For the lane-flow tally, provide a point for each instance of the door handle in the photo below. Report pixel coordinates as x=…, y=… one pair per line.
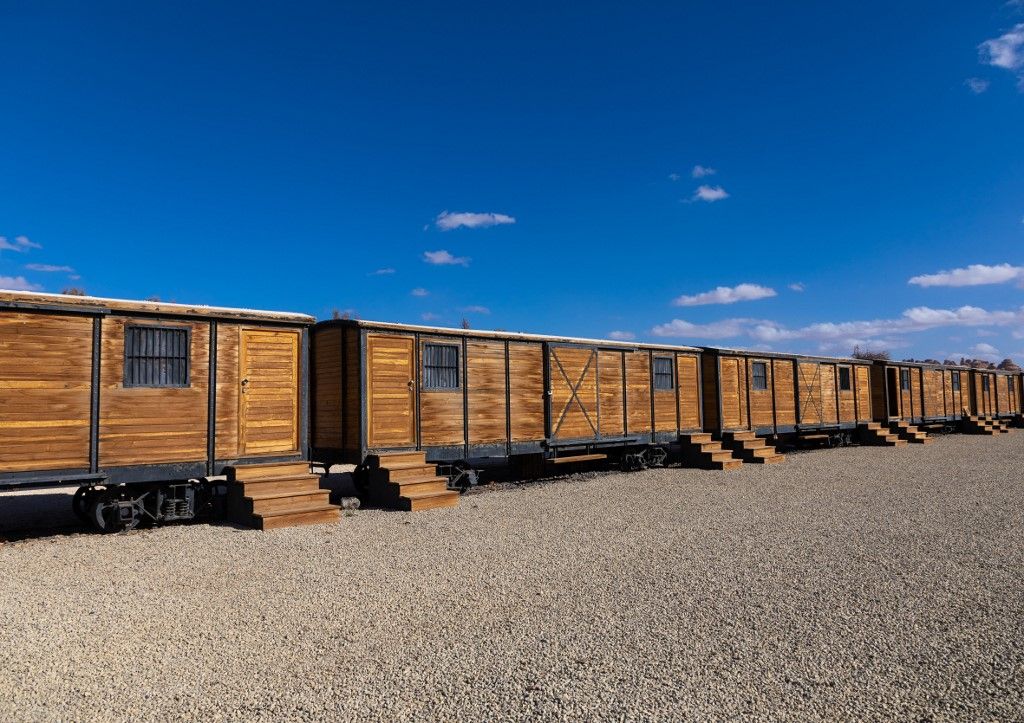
x=245, y=385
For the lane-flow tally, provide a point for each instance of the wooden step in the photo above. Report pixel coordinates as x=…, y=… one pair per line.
x=294, y=484
x=432, y=484
x=387, y=459
x=872, y=425
x=730, y=436
x=283, y=503
x=578, y=458
x=723, y=455
x=723, y=464
x=697, y=438
x=429, y=501
x=408, y=472
x=252, y=472
x=767, y=459
x=748, y=444
x=311, y=515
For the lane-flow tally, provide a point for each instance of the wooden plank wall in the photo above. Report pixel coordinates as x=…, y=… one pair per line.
x=441, y=410
x=389, y=397
x=847, y=403
x=526, y=391
x=613, y=393
x=785, y=392
x=573, y=418
x=45, y=380
x=761, y=408
x=710, y=385
x=809, y=385
x=865, y=392
x=326, y=388
x=485, y=367
x=665, y=406
x=638, y=392
x=228, y=383
x=688, y=379
x=351, y=412
x=150, y=426
x=879, y=400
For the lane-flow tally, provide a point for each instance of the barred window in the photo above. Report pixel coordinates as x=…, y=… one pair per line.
x=984, y=383
x=955, y=379
x=845, y=384
x=663, y=376
x=759, y=376
x=440, y=366
x=905, y=380
x=156, y=356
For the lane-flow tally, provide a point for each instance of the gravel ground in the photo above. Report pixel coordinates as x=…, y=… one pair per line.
x=844, y=584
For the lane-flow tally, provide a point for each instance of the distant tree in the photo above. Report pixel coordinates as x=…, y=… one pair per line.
x=465, y=323
x=870, y=355
x=977, y=363
x=338, y=314
x=74, y=291
x=154, y=297
x=1009, y=365
x=950, y=363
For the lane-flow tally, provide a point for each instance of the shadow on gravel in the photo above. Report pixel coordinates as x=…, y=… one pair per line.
x=38, y=513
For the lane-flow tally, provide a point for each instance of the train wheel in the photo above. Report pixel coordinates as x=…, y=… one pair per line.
x=108, y=513
x=80, y=503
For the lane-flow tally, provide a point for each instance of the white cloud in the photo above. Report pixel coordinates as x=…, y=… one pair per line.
x=797, y=286
x=726, y=295
x=1007, y=52
x=443, y=258
x=674, y=176
x=844, y=335
x=710, y=194
x=715, y=330
x=17, y=283
x=447, y=221
x=977, y=85
x=20, y=244
x=382, y=272
x=50, y=268
x=973, y=275
x=621, y=335
x=420, y=291
x=703, y=171
x=429, y=316
x=985, y=351
x=476, y=309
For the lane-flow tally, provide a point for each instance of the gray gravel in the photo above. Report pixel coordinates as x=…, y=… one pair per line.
x=846, y=584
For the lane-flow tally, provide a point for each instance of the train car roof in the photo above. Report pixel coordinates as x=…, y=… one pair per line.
x=785, y=355
x=504, y=335
x=930, y=365
x=95, y=304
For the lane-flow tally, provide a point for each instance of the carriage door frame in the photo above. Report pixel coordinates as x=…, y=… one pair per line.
x=245, y=417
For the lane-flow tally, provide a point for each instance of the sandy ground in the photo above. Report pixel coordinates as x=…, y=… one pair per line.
x=861, y=583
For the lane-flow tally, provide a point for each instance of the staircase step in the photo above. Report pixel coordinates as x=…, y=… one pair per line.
x=723, y=455
x=310, y=515
x=407, y=472
x=429, y=501
x=431, y=484
x=295, y=484
x=698, y=438
x=387, y=459
x=723, y=464
x=748, y=444
x=730, y=436
x=775, y=458
x=264, y=470
x=284, y=503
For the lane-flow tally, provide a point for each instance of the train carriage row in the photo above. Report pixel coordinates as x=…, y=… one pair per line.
x=106, y=394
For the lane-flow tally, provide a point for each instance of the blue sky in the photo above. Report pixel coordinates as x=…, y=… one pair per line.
x=624, y=168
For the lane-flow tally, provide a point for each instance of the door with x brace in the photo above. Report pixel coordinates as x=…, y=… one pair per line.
x=572, y=371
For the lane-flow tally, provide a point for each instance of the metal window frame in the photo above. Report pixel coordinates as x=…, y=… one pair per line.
x=753, y=376
x=839, y=378
x=655, y=373
x=159, y=327
x=459, y=359
x=954, y=380
x=904, y=374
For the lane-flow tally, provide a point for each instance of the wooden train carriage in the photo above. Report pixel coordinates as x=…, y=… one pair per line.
x=102, y=390
x=995, y=392
x=460, y=394
x=920, y=393
x=781, y=394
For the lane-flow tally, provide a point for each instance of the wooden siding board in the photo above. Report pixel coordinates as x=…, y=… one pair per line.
x=486, y=391
x=638, y=392
x=326, y=392
x=688, y=378
x=613, y=393
x=526, y=391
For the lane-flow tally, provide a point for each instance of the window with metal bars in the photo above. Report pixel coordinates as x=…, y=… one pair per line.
x=663, y=376
x=440, y=366
x=759, y=376
x=984, y=384
x=955, y=380
x=845, y=383
x=156, y=356
x=905, y=380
